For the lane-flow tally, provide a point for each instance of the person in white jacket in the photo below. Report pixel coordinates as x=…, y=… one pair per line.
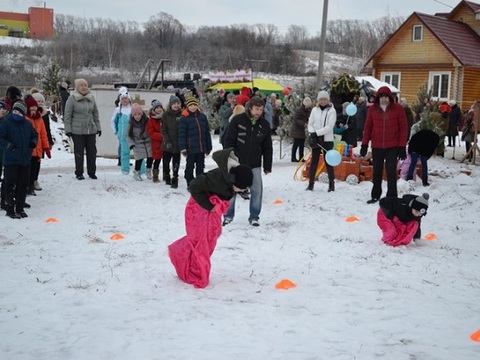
x=320, y=128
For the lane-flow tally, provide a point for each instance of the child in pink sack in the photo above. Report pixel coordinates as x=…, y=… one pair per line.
x=211, y=193
x=399, y=218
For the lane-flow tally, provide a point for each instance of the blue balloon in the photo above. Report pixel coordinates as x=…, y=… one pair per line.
x=351, y=109
x=333, y=157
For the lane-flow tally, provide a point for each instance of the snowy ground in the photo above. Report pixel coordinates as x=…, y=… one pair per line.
x=69, y=292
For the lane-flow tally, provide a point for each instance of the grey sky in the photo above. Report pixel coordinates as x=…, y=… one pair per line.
x=220, y=12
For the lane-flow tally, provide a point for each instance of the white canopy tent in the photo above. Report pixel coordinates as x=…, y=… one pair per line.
x=374, y=84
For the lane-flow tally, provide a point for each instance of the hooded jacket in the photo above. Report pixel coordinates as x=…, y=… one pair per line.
x=17, y=139
x=385, y=129
x=81, y=115
x=218, y=181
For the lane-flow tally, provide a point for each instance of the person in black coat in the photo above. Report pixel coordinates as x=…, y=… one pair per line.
x=422, y=144
x=454, y=121
x=298, y=128
x=64, y=94
x=360, y=116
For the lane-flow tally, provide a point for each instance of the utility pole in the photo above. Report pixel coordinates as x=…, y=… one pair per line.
x=323, y=38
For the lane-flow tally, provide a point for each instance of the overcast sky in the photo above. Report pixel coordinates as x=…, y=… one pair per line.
x=282, y=13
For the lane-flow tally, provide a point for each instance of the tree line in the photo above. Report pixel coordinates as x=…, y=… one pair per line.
x=126, y=46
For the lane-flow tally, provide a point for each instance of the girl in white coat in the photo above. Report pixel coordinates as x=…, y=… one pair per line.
x=320, y=127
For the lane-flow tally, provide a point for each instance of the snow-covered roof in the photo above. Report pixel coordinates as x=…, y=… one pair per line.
x=375, y=83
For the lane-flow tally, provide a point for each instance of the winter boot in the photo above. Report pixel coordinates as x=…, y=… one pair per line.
x=331, y=185
x=155, y=176
x=11, y=213
x=31, y=191
x=310, y=186
x=167, y=179
x=136, y=175
x=149, y=173
x=174, y=183
x=425, y=181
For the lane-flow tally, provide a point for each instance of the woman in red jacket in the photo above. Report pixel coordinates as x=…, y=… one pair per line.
x=386, y=128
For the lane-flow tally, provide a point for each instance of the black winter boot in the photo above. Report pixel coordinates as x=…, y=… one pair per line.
x=11, y=213
x=167, y=179
x=174, y=183
x=331, y=185
x=310, y=186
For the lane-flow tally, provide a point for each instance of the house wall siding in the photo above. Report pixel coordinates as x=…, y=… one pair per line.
x=464, y=14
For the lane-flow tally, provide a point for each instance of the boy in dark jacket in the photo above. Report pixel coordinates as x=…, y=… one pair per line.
x=399, y=218
x=194, y=139
x=17, y=139
x=211, y=193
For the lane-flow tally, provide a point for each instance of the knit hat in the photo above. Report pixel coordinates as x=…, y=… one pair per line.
x=307, y=102
x=230, y=95
x=79, y=82
x=31, y=102
x=156, y=104
x=13, y=93
x=345, y=104
x=191, y=101
x=136, y=109
x=3, y=105
x=174, y=99
x=20, y=106
x=243, y=176
x=39, y=97
x=323, y=95
x=420, y=203
x=452, y=102
x=444, y=107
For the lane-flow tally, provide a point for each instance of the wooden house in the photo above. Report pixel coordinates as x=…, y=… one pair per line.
x=441, y=50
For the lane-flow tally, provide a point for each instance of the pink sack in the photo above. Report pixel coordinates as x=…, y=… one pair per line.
x=191, y=254
x=395, y=232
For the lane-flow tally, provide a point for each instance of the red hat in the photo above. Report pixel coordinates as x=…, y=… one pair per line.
x=31, y=102
x=444, y=107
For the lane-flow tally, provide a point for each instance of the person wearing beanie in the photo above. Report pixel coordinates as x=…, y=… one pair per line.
x=45, y=116
x=3, y=111
x=250, y=135
x=455, y=118
x=386, y=129
x=82, y=124
x=209, y=200
x=12, y=94
x=119, y=123
x=320, y=126
x=298, y=130
x=171, y=150
x=139, y=141
x=64, y=93
x=34, y=115
x=154, y=128
x=15, y=129
x=226, y=111
x=400, y=218
x=194, y=139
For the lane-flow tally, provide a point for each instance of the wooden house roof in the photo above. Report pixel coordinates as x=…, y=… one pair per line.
x=458, y=38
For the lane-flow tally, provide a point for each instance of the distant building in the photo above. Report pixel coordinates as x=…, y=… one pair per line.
x=37, y=24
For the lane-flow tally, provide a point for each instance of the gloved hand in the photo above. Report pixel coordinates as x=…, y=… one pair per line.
x=313, y=140
x=99, y=133
x=48, y=153
x=168, y=146
x=132, y=146
x=345, y=127
x=363, y=150
x=402, y=153
x=69, y=134
x=184, y=153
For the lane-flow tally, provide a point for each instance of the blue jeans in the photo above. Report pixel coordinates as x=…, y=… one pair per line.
x=256, y=195
x=413, y=157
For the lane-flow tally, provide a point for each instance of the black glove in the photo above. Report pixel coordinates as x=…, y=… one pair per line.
x=168, y=146
x=131, y=147
x=363, y=150
x=69, y=134
x=99, y=133
x=402, y=153
x=313, y=140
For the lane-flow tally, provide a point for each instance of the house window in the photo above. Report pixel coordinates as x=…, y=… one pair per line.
x=440, y=85
x=392, y=79
x=417, y=32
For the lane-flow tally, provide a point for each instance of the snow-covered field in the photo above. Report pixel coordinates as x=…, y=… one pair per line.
x=69, y=292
